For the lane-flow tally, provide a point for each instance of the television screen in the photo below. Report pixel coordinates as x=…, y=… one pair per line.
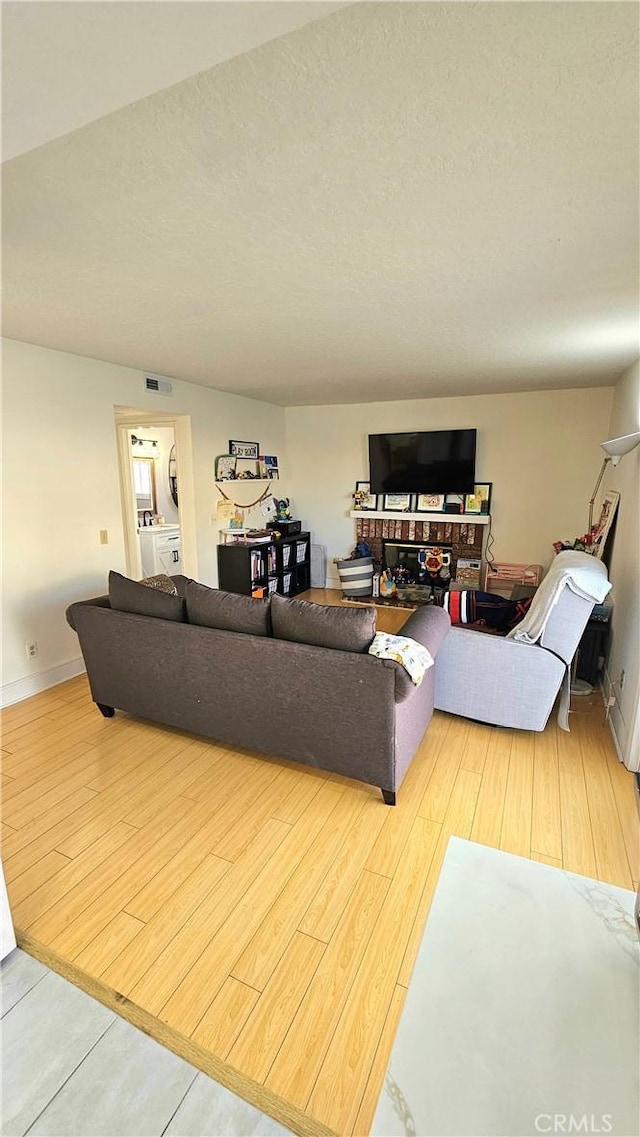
x=432, y=461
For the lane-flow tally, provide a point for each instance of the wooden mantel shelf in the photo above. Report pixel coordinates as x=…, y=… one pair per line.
x=456, y=518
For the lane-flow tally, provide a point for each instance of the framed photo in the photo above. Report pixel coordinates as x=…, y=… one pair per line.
x=605, y=521
x=225, y=467
x=244, y=449
x=429, y=502
x=363, y=498
x=268, y=463
x=396, y=502
x=480, y=499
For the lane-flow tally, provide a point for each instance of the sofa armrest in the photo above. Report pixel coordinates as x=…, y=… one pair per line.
x=428, y=625
x=96, y=602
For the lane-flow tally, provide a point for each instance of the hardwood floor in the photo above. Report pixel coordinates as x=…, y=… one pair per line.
x=262, y=918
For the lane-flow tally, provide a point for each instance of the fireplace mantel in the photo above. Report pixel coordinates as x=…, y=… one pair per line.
x=456, y=518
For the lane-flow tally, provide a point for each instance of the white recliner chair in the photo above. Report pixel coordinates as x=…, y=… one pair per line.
x=513, y=681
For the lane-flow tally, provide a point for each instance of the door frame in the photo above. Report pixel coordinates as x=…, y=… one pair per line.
x=126, y=420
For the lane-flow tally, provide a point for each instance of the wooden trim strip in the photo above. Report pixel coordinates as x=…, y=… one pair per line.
x=259, y=1096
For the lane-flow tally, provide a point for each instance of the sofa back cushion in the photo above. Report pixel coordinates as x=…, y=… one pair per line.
x=323, y=625
x=228, y=611
x=127, y=595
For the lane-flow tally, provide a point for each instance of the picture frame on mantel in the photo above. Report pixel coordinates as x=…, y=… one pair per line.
x=480, y=500
x=363, y=498
x=396, y=502
x=429, y=503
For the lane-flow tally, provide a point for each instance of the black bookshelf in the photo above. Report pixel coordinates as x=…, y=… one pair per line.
x=282, y=566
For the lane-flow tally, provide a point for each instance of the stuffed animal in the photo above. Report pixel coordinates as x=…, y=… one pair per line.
x=283, y=513
x=362, y=549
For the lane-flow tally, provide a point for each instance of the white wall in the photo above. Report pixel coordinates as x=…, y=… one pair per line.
x=624, y=646
x=540, y=450
x=61, y=487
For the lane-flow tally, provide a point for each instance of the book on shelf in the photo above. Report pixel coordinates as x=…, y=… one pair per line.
x=256, y=564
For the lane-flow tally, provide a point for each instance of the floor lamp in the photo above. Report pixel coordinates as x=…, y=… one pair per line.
x=614, y=449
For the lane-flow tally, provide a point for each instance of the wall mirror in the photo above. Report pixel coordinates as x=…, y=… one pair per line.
x=144, y=484
x=173, y=476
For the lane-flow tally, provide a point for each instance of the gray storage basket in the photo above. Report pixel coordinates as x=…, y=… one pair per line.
x=356, y=576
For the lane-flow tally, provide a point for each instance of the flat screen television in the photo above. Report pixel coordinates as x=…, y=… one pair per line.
x=426, y=461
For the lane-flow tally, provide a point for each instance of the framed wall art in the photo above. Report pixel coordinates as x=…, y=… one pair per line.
x=244, y=449
x=396, y=502
x=363, y=498
x=225, y=469
x=429, y=502
x=605, y=521
x=480, y=499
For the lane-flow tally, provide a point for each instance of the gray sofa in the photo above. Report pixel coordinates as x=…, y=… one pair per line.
x=340, y=710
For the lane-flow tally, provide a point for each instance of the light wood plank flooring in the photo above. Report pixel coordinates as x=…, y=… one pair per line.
x=261, y=918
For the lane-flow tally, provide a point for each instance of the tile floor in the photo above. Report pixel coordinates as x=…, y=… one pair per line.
x=72, y=1067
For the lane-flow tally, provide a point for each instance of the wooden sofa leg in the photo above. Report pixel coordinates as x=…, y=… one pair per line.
x=108, y=712
x=389, y=797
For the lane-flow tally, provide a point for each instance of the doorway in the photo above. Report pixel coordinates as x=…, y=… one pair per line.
x=155, y=463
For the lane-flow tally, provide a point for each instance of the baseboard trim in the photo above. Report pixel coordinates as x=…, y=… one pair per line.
x=607, y=686
x=614, y=736
x=21, y=689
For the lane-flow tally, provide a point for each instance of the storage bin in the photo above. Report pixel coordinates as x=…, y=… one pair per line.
x=356, y=576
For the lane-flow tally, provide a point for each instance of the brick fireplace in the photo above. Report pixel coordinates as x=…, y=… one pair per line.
x=462, y=538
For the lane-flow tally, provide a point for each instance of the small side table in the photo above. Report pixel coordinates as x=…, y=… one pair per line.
x=593, y=644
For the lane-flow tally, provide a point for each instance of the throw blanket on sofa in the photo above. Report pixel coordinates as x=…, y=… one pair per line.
x=582, y=573
x=411, y=655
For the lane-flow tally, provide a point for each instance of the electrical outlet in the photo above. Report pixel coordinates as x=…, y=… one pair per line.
x=621, y=680
x=32, y=650
x=611, y=701
x=104, y=537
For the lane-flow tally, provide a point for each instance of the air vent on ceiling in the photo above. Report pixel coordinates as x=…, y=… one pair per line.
x=159, y=386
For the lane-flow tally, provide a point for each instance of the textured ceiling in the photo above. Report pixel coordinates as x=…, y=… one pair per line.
x=399, y=200
x=66, y=63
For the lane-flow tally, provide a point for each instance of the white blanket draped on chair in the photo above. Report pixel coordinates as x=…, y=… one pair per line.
x=585, y=576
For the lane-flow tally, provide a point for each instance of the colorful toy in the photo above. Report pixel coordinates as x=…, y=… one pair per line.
x=283, y=513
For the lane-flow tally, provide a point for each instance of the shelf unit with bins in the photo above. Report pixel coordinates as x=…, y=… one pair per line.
x=282, y=566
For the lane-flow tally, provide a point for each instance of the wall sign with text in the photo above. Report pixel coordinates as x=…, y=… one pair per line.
x=243, y=449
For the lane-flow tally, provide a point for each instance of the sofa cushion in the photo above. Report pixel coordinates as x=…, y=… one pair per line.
x=323, y=625
x=127, y=595
x=228, y=611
